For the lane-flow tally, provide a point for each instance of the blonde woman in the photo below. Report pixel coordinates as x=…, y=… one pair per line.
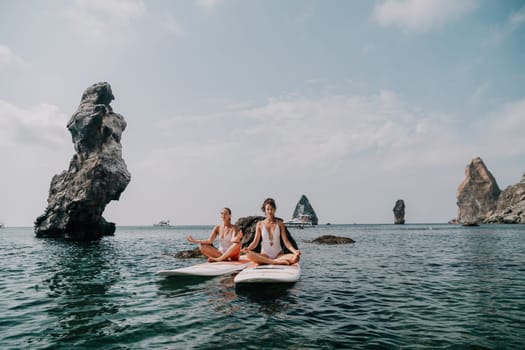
x=229, y=239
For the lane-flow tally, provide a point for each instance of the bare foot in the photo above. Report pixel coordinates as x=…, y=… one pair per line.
x=214, y=259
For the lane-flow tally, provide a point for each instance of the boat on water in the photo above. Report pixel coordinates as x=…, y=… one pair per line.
x=162, y=223
x=300, y=222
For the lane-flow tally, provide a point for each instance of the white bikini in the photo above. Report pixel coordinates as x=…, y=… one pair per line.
x=225, y=242
x=271, y=250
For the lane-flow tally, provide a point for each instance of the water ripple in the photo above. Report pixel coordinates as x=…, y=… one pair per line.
x=411, y=287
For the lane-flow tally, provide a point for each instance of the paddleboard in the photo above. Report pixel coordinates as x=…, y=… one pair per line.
x=207, y=269
x=256, y=273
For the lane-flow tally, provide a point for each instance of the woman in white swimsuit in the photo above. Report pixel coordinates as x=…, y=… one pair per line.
x=229, y=240
x=271, y=231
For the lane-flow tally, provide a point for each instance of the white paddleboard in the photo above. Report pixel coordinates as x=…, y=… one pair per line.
x=269, y=274
x=207, y=269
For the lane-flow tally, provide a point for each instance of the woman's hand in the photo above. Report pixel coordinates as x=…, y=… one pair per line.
x=190, y=239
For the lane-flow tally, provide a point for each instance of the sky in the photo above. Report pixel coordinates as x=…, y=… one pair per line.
x=353, y=103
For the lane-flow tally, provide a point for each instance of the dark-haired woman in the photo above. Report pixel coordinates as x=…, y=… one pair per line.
x=270, y=232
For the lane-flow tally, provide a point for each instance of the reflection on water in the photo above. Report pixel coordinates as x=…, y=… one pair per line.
x=173, y=286
x=221, y=292
x=269, y=296
x=83, y=275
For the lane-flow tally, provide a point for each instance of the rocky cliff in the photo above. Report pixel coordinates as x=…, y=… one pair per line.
x=399, y=212
x=97, y=173
x=477, y=195
x=304, y=207
x=510, y=208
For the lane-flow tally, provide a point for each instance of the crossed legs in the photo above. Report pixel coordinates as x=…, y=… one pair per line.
x=214, y=255
x=283, y=259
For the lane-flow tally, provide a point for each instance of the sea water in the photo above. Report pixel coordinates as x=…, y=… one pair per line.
x=407, y=286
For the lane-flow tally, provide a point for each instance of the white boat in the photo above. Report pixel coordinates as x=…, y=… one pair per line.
x=162, y=223
x=301, y=222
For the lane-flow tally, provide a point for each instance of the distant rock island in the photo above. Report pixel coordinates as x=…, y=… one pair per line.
x=399, y=212
x=305, y=209
x=480, y=199
x=97, y=173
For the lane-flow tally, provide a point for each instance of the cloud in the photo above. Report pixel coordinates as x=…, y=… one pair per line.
x=41, y=126
x=502, y=129
x=331, y=147
x=420, y=15
x=8, y=58
x=479, y=94
x=333, y=131
x=34, y=146
x=513, y=22
x=353, y=155
x=173, y=26
x=322, y=133
x=104, y=21
x=208, y=4
x=517, y=18
x=303, y=17
x=6, y=55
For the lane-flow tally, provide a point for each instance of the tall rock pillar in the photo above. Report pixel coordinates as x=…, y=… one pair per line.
x=97, y=173
x=304, y=207
x=477, y=195
x=399, y=212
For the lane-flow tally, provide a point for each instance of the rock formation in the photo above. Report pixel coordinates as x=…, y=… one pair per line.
x=97, y=173
x=510, y=208
x=330, y=239
x=304, y=207
x=477, y=195
x=190, y=254
x=399, y=212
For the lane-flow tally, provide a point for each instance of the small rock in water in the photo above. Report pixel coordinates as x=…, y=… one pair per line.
x=189, y=254
x=330, y=239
